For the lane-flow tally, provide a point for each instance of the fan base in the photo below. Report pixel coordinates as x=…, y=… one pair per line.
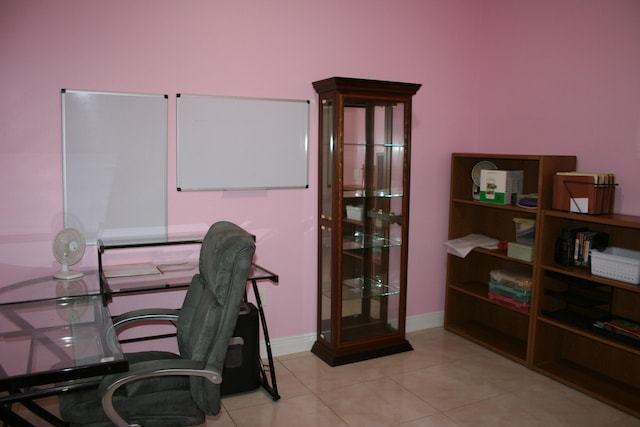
x=475, y=193
x=68, y=275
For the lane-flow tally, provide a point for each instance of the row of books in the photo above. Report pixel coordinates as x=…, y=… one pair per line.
x=584, y=192
x=574, y=245
x=584, y=242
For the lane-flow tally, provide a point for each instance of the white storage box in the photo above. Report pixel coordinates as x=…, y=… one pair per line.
x=500, y=187
x=354, y=212
x=617, y=264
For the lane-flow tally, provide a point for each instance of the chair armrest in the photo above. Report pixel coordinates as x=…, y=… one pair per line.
x=144, y=315
x=155, y=368
x=135, y=316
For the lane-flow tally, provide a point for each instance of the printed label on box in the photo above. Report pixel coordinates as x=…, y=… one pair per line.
x=500, y=187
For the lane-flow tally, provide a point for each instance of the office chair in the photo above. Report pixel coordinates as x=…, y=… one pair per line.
x=166, y=389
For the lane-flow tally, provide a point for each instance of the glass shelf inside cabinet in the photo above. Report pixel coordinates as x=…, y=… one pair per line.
x=361, y=192
x=365, y=241
x=354, y=214
x=380, y=145
x=362, y=287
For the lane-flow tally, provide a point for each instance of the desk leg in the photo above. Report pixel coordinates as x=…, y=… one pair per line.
x=10, y=418
x=273, y=387
x=43, y=414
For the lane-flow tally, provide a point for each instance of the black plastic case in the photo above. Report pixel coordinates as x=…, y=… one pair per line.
x=241, y=371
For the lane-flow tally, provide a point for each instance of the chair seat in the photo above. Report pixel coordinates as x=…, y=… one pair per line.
x=169, y=399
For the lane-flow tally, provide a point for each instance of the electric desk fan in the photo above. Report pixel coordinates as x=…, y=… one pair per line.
x=475, y=176
x=68, y=249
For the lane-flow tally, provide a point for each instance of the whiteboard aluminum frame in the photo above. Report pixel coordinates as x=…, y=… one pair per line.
x=210, y=127
x=112, y=138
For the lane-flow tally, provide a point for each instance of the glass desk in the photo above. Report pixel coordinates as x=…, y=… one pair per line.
x=45, y=288
x=52, y=345
x=53, y=333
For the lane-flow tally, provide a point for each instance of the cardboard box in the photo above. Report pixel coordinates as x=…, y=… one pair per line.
x=500, y=187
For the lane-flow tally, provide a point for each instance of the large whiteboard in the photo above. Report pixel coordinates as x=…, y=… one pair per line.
x=235, y=143
x=115, y=164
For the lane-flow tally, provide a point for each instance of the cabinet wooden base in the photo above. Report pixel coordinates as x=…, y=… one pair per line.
x=333, y=357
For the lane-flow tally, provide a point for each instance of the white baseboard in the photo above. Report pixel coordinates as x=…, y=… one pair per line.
x=425, y=321
x=303, y=343
x=289, y=345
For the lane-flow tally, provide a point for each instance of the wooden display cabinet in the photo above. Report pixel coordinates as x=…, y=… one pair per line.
x=568, y=347
x=364, y=141
x=469, y=311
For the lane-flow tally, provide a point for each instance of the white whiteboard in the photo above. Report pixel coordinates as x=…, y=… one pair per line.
x=233, y=143
x=115, y=164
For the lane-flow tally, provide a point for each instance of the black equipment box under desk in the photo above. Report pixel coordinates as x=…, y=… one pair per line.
x=241, y=371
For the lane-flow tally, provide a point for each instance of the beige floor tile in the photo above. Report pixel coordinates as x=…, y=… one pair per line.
x=221, y=420
x=421, y=357
x=319, y=377
x=243, y=400
x=292, y=356
x=381, y=402
x=437, y=420
x=555, y=403
x=287, y=384
x=504, y=410
x=308, y=411
x=448, y=386
x=500, y=371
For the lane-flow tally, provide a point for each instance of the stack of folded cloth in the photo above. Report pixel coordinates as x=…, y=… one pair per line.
x=510, y=288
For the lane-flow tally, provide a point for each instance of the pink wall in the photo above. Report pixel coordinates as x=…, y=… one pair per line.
x=273, y=49
x=563, y=77
x=497, y=76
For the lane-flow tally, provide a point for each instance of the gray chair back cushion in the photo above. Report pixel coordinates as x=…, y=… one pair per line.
x=212, y=305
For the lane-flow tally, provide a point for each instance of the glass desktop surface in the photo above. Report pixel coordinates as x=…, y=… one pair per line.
x=173, y=276
x=177, y=276
x=161, y=262
x=177, y=238
x=52, y=341
x=48, y=287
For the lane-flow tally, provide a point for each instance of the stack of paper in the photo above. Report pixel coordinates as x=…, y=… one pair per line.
x=125, y=270
x=463, y=245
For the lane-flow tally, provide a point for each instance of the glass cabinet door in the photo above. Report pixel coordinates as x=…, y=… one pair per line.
x=373, y=160
x=325, y=273
x=364, y=128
